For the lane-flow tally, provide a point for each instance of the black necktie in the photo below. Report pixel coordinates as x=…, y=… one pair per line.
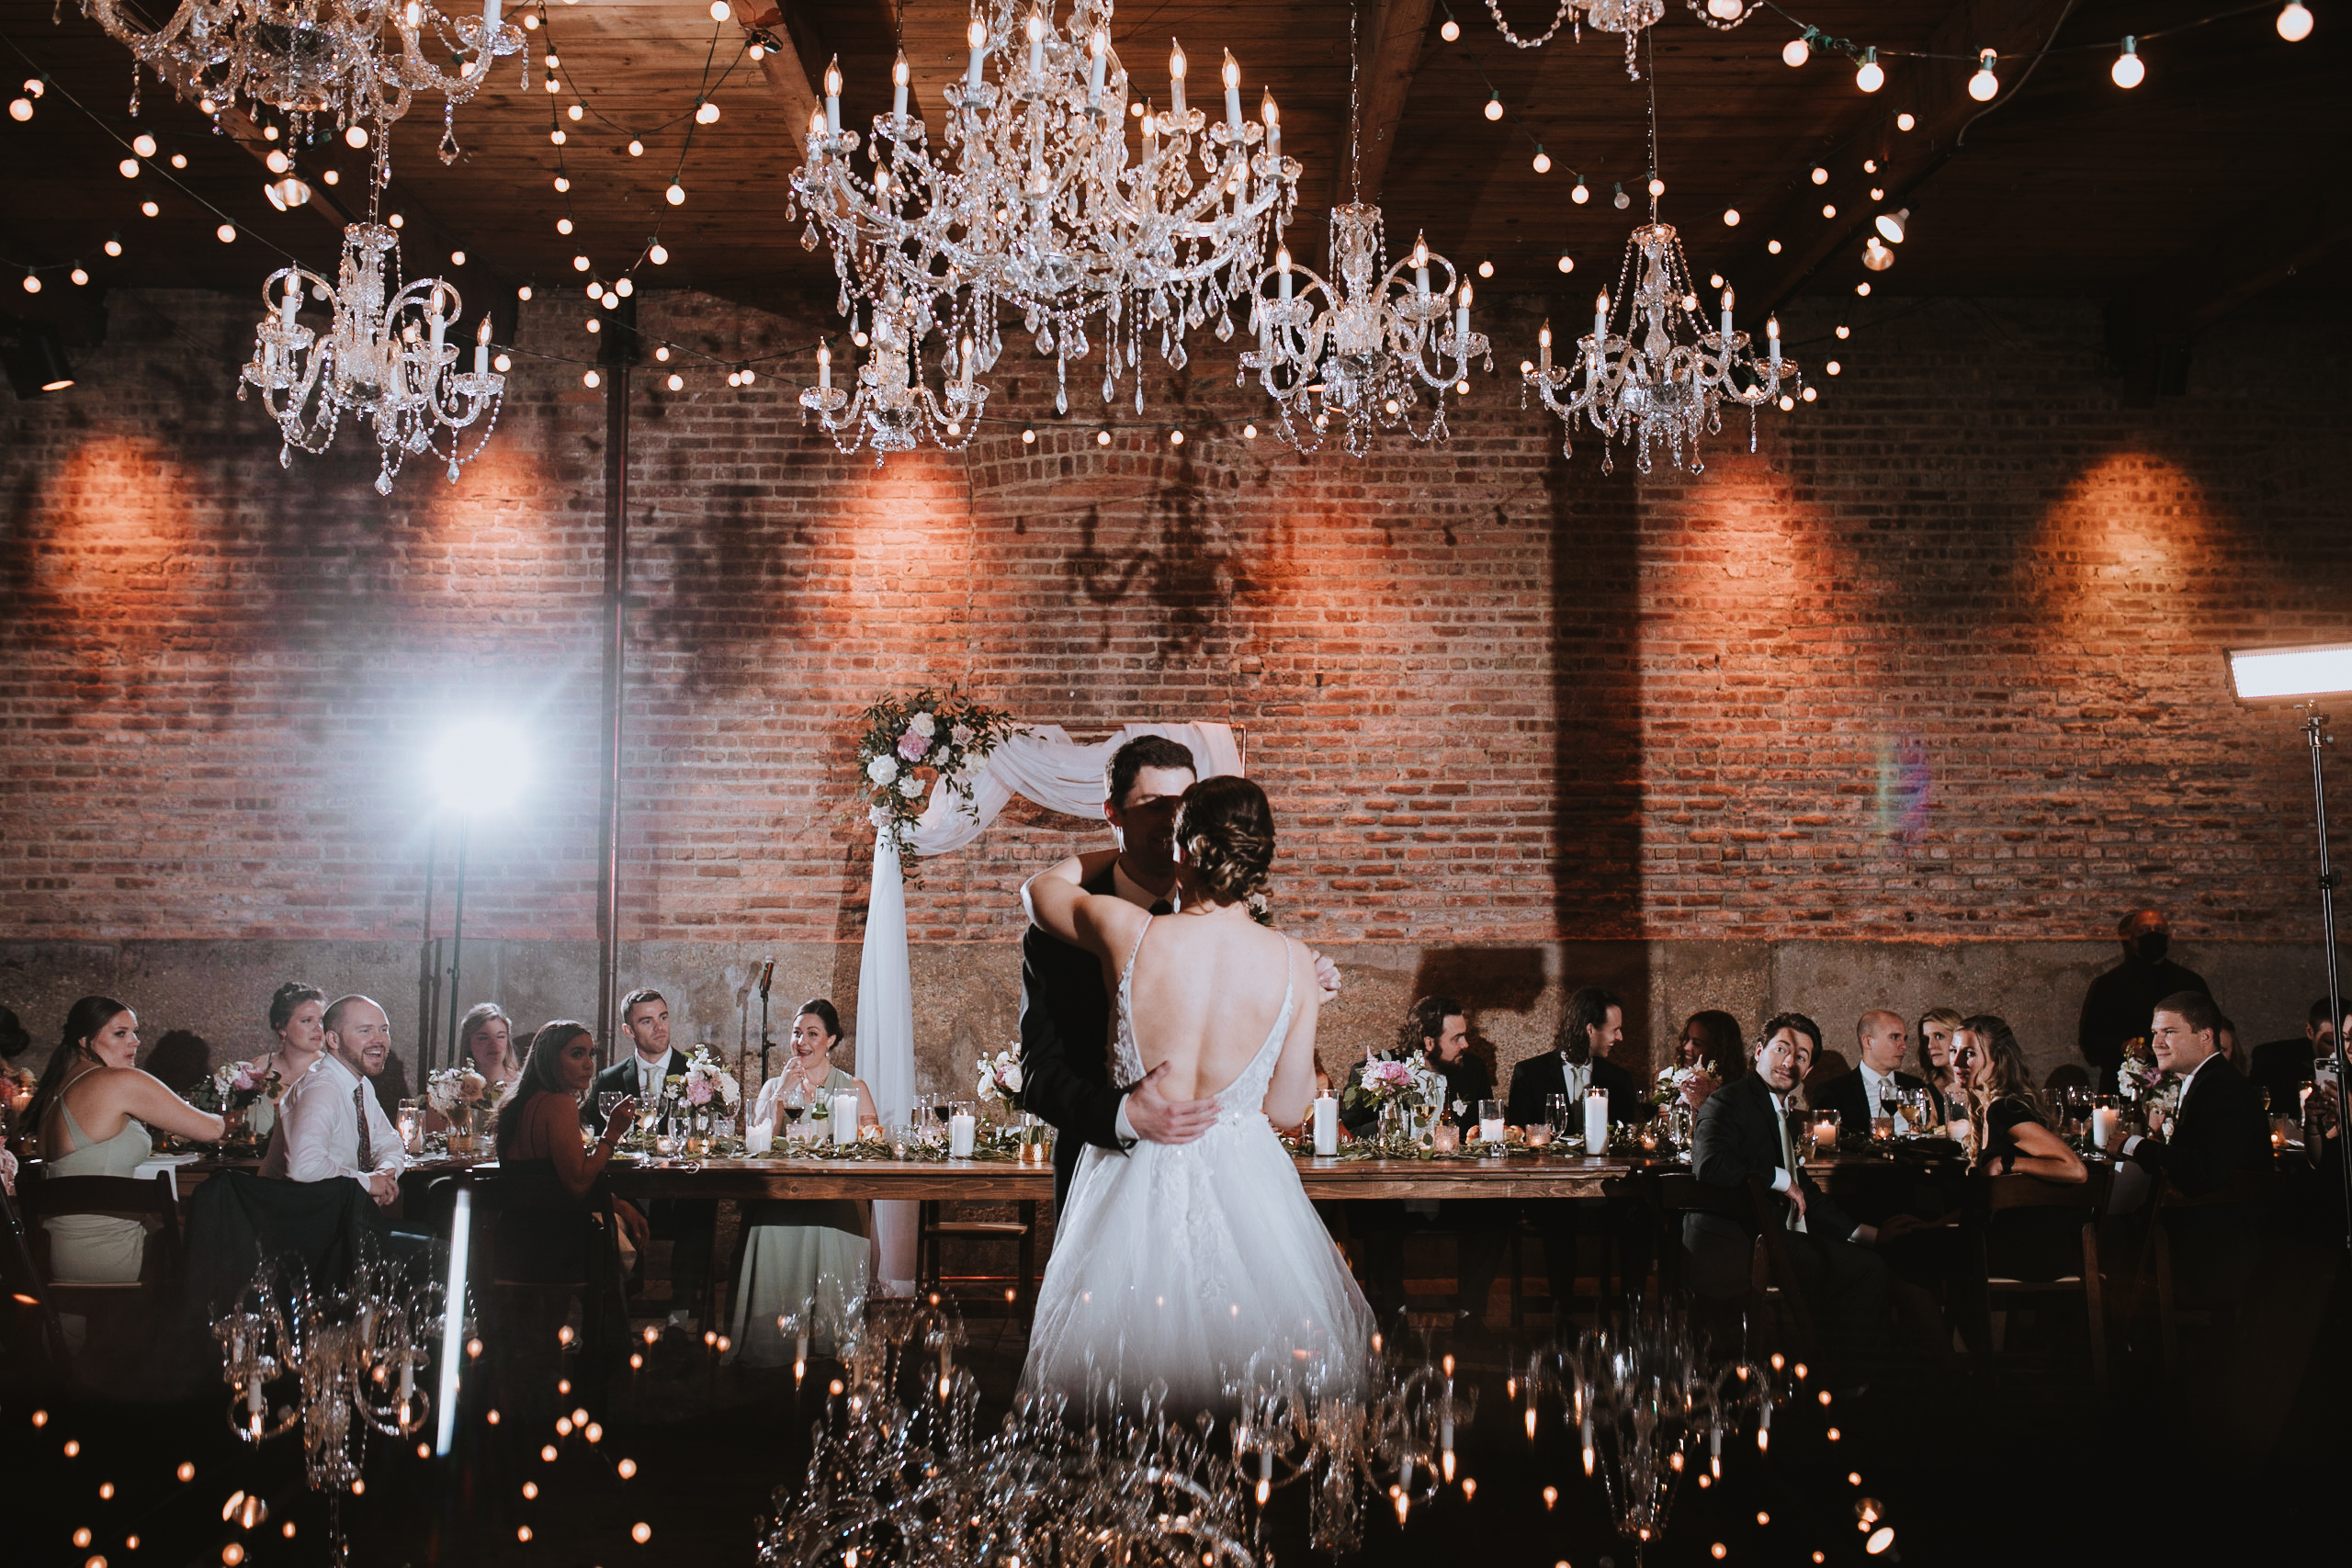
x=359, y=1109
x=1162, y=907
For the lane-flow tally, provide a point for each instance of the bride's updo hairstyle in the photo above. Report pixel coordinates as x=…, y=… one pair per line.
x=1225, y=830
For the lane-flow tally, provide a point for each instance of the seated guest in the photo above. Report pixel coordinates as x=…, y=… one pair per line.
x=2226, y=1034
x=1936, y=1025
x=1711, y=1042
x=804, y=1250
x=94, y=1109
x=1875, y=1087
x=1743, y=1131
x=686, y=1223
x=2281, y=1067
x=484, y=1041
x=181, y=1060
x=2008, y=1134
x=537, y=1128
x=1592, y=1024
x=297, y=1017
x=331, y=1127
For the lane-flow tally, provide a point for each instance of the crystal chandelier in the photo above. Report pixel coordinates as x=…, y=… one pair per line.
x=355, y=63
x=1661, y=382
x=1627, y=16
x=384, y=360
x=1358, y=359
x=894, y=410
x=1036, y=201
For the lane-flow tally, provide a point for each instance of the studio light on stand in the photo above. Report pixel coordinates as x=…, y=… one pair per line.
x=476, y=771
x=2301, y=676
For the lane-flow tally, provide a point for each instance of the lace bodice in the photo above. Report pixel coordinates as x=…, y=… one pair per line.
x=1246, y=1095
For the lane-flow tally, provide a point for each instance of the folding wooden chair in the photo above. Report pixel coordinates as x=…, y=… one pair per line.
x=1989, y=1197
x=1773, y=1277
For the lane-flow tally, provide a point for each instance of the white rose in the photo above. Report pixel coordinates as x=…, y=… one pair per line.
x=960, y=733
x=883, y=769
x=922, y=724
x=1011, y=1075
x=911, y=787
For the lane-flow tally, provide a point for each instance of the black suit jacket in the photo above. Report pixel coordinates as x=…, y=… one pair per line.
x=1736, y=1135
x=1535, y=1080
x=2220, y=1130
x=1843, y=1094
x=621, y=1078
x=1066, y=1045
x=2283, y=1066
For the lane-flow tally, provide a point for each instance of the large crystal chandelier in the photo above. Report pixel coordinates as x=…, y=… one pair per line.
x=1378, y=339
x=1662, y=382
x=384, y=359
x=1036, y=201
x=354, y=63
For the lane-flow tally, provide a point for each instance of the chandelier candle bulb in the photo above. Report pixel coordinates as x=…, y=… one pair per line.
x=899, y=76
x=1726, y=318
x=824, y=368
x=977, y=35
x=964, y=368
x=833, y=98
x=1233, y=97
x=1772, y=333
x=1281, y=271
x=1421, y=269
x=1543, y=348
x=1599, y=318
x=1267, y=112
x=1175, y=80
x=1034, y=27
x=1098, y=47
x=1461, y=328
x=482, y=348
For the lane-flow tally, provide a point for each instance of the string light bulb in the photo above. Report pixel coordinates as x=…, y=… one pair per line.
x=1796, y=51
x=32, y=281
x=1542, y=161
x=2294, y=22
x=707, y=114
x=575, y=113
x=1567, y=264
x=1485, y=268
x=129, y=168
x=1869, y=76
x=144, y=145
x=1905, y=121
x=1582, y=194
x=1452, y=31
x=1495, y=107
x=580, y=264
x=675, y=194
x=625, y=288
x=20, y=108
x=1820, y=176
x=1893, y=226
x=1657, y=187
x=1726, y=10
x=1984, y=87
x=720, y=10
x=636, y=148
x=226, y=234
x=677, y=382
x=81, y=279
x=2128, y=70
x=1731, y=217
x=114, y=245
x=659, y=255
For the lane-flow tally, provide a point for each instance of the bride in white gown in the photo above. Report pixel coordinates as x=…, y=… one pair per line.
x=1187, y=1262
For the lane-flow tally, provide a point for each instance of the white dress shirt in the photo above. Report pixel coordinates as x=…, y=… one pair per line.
x=1575, y=1078
x=650, y=1076
x=1878, y=1089
x=321, y=1127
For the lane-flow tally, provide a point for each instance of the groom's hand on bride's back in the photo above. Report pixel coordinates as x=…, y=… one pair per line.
x=1327, y=977
x=1159, y=1119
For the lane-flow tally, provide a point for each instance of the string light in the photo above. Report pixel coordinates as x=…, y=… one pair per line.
x=1567, y=264
x=114, y=246
x=81, y=279
x=2129, y=70
x=659, y=255
x=1582, y=194
x=1830, y=210
x=1869, y=76
x=1984, y=86
x=590, y=379
x=1904, y=120
x=226, y=234
x=1773, y=247
x=1820, y=176
x=1494, y=108
x=636, y=148
x=2294, y=23
x=1542, y=161
x=1731, y=217
x=706, y=113
x=675, y=194
x=1485, y=268
x=32, y=282
x=1452, y=31
x=1796, y=51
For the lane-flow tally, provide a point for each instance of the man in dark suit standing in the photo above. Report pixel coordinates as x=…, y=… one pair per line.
x=1743, y=1131
x=687, y=1223
x=1065, y=1011
x=1878, y=1083
x=1591, y=1025
x=2219, y=1130
x=2283, y=1066
x=2116, y=1008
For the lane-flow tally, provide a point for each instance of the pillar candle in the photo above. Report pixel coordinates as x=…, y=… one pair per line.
x=960, y=1128
x=2103, y=1124
x=1825, y=1136
x=1596, y=1121
x=844, y=1116
x=1327, y=1124
x=758, y=1138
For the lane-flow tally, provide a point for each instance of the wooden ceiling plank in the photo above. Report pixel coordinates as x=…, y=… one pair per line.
x=1389, y=53
x=1942, y=111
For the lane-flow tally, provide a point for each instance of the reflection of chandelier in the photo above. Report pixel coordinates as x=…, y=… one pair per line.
x=1035, y=199
x=893, y=408
x=382, y=360
x=1359, y=357
x=310, y=59
x=1662, y=381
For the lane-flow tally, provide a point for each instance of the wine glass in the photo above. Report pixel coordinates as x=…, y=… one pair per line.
x=607, y=1103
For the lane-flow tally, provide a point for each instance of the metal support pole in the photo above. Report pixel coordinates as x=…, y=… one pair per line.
x=458, y=945
x=608, y=905
x=2315, y=731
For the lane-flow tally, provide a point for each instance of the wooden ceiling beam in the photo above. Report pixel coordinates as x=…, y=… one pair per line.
x=789, y=73
x=1389, y=52
x=1936, y=97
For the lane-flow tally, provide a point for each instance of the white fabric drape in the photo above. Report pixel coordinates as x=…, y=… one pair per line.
x=1045, y=766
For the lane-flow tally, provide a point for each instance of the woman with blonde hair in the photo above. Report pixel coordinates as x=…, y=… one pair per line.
x=2007, y=1135
x=1935, y=1030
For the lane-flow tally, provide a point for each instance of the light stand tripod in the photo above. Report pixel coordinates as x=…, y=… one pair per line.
x=2315, y=732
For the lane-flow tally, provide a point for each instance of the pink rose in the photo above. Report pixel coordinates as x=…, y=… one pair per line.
x=912, y=746
x=698, y=1091
x=245, y=1079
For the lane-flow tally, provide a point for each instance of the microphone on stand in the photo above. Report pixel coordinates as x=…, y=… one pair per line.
x=767, y=978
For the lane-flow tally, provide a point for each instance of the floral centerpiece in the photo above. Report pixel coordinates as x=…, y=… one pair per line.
x=913, y=744
x=1672, y=1081
x=706, y=1083
x=2139, y=1080
x=236, y=1085
x=1381, y=1083
x=452, y=1089
x=1000, y=1078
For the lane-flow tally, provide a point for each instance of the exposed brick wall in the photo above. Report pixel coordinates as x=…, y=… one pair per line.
x=1941, y=661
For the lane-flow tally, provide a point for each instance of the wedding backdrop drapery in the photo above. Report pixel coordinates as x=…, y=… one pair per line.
x=1044, y=766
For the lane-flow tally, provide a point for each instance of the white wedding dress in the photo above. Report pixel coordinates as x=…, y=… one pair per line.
x=1185, y=1263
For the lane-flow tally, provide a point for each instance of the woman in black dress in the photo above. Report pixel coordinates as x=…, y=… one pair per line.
x=2007, y=1135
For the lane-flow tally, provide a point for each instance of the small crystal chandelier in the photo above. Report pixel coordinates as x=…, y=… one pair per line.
x=1358, y=359
x=1661, y=382
x=894, y=409
x=383, y=360
x=1036, y=201
x=355, y=63
x=1627, y=16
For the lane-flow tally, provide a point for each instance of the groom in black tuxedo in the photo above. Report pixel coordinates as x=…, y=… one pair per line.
x=1066, y=1013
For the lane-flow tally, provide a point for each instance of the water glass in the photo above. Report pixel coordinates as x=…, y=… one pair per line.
x=1555, y=1112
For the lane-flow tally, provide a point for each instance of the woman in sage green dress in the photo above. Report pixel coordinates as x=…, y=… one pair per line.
x=94, y=1109
x=803, y=1255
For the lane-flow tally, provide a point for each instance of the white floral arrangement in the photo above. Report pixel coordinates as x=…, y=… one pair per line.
x=913, y=744
x=452, y=1088
x=708, y=1081
x=1671, y=1081
x=1001, y=1078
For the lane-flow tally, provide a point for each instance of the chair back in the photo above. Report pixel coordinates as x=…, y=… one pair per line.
x=1996, y=1193
x=2245, y=1189
x=1679, y=1192
x=42, y=1196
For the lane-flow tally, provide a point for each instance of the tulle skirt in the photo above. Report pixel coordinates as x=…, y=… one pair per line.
x=1201, y=1265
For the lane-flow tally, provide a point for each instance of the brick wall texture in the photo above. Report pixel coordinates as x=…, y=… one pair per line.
x=1940, y=661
